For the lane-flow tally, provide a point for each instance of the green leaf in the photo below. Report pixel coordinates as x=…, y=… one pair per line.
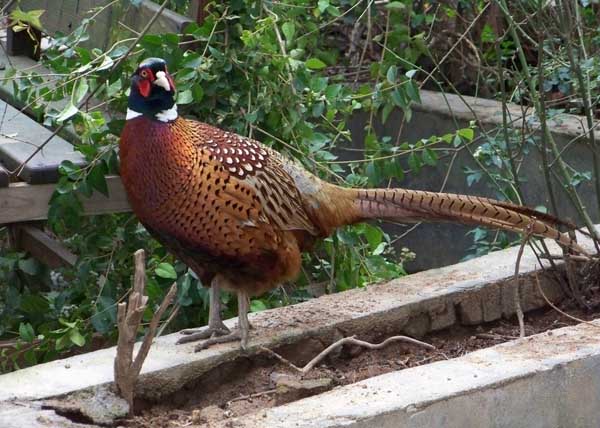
x=165, y=270
x=412, y=90
x=399, y=98
x=34, y=304
x=315, y=64
x=26, y=332
x=30, y=266
x=414, y=162
x=76, y=337
x=185, y=97
x=69, y=111
x=334, y=11
x=107, y=62
x=30, y=17
x=97, y=180
x=395, y=5
x=374, y=235
x=466, y=133
x=429, y=157
x=288, y=29
x=323, y=5
x=152, y=39
x=391, y=74
x=80, y=90
x=62, y=342
x=257, y=305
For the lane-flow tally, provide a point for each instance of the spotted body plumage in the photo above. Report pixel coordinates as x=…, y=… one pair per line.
x=239, y=214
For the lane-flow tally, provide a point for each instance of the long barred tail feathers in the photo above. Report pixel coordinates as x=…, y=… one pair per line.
x=414, y=205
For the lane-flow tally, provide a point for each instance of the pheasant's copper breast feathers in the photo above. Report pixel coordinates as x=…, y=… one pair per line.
x=224, y=199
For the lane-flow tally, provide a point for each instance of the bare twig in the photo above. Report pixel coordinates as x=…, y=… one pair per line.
x=250, y=396
x=129, y=319
x=516, y=296
x=556, y=308
x=351, y=340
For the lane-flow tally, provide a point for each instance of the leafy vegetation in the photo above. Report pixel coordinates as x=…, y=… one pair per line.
x=293, y=75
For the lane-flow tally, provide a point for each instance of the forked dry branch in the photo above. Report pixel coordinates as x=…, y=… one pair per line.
x=129, y=319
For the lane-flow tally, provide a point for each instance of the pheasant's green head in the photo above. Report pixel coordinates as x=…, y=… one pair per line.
x=152, y=92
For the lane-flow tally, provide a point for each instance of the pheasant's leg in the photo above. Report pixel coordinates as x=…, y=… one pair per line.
x=244, y=325
x=241, y=333
x=215, y=324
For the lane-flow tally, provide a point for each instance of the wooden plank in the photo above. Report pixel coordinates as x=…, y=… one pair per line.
x=4, y=177
x=20, y=136
x=66, y=15
x=21, y=202
x=168, y=22
x=44, y=248
x=197, y=10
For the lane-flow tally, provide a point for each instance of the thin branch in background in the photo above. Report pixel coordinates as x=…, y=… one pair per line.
x=556, y=308
x=516, y=292
x=584, y=90
x=507, y=139
x=544, y=125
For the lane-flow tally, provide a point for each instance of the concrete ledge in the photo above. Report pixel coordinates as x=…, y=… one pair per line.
x=469, y=292
x=548, y=380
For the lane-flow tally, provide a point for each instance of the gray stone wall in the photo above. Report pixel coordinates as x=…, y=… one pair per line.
x=443, y=244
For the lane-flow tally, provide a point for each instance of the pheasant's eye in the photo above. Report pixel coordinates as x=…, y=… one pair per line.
x=144, y=74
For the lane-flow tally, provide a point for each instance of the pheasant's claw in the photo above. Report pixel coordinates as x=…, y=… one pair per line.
x=195, y=334
x=231, y=337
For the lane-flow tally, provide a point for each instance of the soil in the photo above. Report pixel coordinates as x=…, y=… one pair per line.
x=260, y=383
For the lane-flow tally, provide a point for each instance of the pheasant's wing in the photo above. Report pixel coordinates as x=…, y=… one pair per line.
x=259, y=179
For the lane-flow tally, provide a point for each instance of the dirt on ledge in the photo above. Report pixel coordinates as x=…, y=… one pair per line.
x=262, y=382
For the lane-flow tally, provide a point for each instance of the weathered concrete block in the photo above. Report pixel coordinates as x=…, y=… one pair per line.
x=491, y=303
x=442, y=315
x=418, y=325
x=470, y=310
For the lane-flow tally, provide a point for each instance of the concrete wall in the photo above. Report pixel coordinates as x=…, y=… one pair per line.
x=443, y=244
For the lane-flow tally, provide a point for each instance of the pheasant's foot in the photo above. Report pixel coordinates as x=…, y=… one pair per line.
x=195, y=334
x=231, y=337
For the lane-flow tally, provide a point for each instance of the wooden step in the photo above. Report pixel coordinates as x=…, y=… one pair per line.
x=20, y=136
x=3, y=177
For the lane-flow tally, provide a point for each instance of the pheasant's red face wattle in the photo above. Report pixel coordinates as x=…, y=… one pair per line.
x=144, y=87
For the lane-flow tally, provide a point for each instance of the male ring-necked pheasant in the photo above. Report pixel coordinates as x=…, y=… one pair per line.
x=239, y=214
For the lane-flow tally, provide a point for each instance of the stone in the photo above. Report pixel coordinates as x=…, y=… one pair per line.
x=470, y=310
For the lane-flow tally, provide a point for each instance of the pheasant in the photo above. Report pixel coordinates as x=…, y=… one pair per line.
x=239, y=214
